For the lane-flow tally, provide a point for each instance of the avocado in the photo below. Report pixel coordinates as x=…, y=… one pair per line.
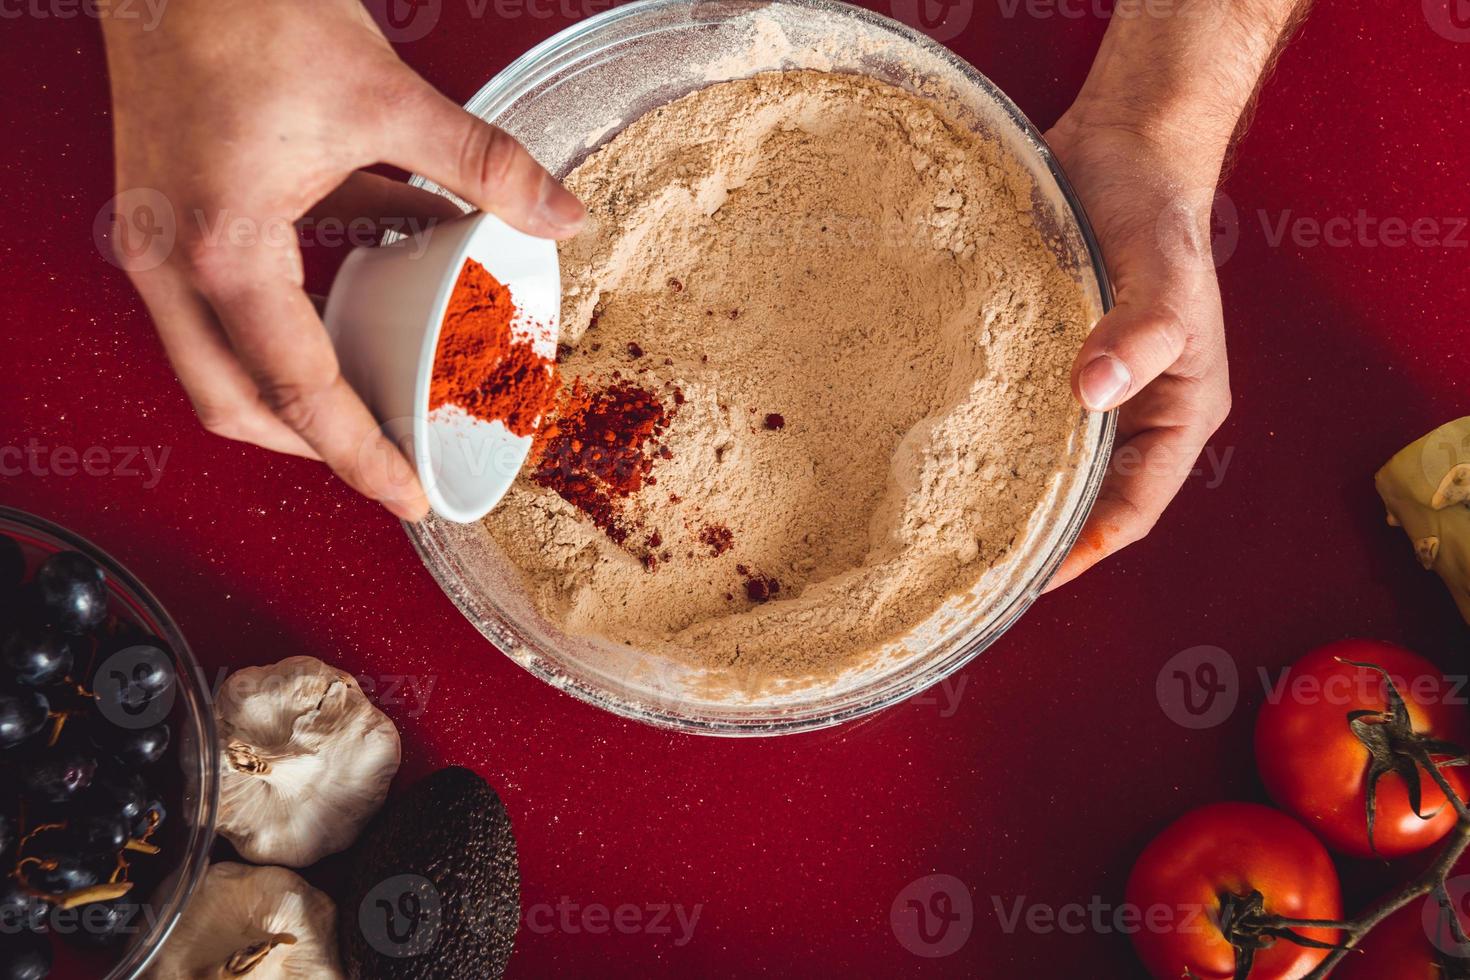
x=434, y=889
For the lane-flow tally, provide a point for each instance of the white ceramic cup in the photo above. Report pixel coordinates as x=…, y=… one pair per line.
x=384, y=314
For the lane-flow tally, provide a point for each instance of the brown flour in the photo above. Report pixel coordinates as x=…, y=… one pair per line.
x=873, y=346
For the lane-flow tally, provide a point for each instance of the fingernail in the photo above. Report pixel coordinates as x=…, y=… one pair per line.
x=559, y=207
x=1104, y=381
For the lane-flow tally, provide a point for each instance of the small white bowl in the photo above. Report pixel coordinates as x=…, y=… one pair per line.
x=384, y=315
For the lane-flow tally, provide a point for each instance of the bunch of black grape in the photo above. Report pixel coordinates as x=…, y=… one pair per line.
x=76, y=746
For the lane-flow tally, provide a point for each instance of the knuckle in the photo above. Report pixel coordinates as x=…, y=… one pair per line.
x=226, y=422
x=1174, y=335
x=204, y=262
x=294, y=403
x=488, y=155
x=399, y=89
x=1134, y=525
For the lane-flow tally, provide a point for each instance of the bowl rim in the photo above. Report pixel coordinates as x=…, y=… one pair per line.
x=520, y=75
x=202, y=836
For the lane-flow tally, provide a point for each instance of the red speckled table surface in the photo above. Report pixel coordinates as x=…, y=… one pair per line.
x=1039, y=773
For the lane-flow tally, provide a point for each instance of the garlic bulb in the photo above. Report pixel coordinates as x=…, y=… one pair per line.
x=305, y=762
x=261, y=923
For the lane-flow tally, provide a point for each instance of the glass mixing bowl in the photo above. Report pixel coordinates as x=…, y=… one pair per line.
x=189, y=830
x=567, y=97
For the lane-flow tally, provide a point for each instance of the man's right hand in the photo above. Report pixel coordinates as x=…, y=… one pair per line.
x=249, y=114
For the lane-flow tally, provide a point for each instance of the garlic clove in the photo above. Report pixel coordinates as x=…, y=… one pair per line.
x=261, y=923
x=1426, y=487
x=306, y=760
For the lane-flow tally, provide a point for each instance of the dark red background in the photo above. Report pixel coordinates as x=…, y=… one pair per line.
x=1058, y=763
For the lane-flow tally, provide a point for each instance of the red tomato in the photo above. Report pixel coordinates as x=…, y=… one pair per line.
x=1315, y=767
x=1412, y=944
x=1184, y=879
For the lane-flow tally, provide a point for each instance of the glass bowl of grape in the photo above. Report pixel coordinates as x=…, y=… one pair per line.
x=109, y=774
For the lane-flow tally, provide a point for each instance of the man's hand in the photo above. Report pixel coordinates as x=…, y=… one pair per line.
x=1144, y=146
x=1160, y=352
x=251, y=113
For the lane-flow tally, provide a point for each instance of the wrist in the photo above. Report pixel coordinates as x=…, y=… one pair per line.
x=1181, y=74
x=1181, y=149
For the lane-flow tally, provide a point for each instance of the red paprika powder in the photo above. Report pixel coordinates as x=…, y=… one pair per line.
x=481, y=366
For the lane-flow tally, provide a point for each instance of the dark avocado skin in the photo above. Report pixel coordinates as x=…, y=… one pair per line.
x=451, y=829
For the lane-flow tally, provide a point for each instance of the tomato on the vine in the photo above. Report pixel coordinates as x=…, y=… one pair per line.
x=1206, y=891
x=1414, y=943
x=1332, y=733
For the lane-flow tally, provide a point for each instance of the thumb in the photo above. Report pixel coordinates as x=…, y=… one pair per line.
x=482, y=164
x=1131, y=346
